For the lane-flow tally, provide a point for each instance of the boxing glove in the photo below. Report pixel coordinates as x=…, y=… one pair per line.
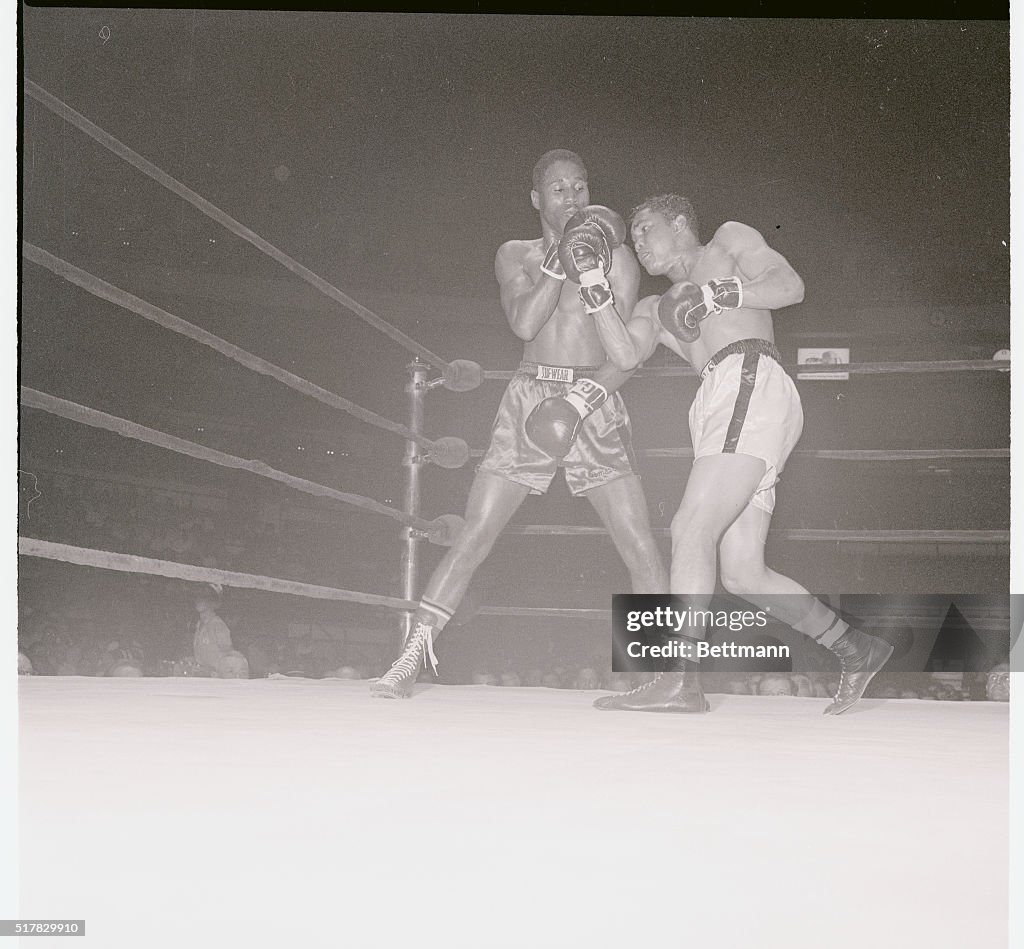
x=611, y=224
x=555, y=422
x=683, y=308
x=551, y=265
x=582, y=248
x=611, y=227
x=595, y=290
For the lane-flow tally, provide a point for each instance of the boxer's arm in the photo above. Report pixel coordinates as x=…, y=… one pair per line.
x=769, y=281
x=612, y=322
x=611, y=377
x=555, y=422
x=527, y=305
x=635, y=341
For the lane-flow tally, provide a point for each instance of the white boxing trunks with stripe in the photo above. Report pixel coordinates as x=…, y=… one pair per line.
x=748, y=405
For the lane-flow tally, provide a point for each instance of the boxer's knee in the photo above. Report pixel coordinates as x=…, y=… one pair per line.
x=742, y=575
x=692, y=528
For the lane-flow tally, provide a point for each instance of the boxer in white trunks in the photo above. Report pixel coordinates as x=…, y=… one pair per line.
x=745, y=420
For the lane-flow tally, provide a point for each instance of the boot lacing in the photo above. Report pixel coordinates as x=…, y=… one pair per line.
x=842, y=680
x=643, y=686
x=406, y=664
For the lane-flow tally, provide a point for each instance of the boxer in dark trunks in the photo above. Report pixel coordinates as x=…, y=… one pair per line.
x=563, y=317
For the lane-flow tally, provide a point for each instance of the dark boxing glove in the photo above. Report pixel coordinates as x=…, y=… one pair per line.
x=551, y=265
x=582, y=248
x=586, y=256
x=611, y=224
x=727, y=293
x=595, y=227
x=595, y=290
x=686, y=305
x=554, y=423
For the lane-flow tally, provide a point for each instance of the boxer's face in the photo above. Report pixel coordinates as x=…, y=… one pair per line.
x=563, y=193
x=654, y=240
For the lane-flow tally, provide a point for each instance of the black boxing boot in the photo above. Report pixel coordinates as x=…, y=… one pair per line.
x=398, y=681
x=861, y=656
x=675, y=690
x=678, y=692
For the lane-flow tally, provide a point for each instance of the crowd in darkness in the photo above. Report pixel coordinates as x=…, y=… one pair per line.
x=162, y=524
x=75, y=621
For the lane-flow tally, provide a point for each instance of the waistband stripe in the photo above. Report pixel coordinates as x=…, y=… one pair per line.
x=758, y=346
x=545, y=373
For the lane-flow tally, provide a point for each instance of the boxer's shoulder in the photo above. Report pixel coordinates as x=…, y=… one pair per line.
x=514, y=255
x=734, y=235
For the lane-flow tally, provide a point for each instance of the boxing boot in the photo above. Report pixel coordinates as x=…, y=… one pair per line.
x=398, y=681
x=860, y=656
x=677, y=691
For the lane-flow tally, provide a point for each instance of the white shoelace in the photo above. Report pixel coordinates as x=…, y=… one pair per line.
x=406, y=664
x=842, y=681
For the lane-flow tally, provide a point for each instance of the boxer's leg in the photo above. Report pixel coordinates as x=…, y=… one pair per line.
x=492, y=502
x=745, y=574
x=623, y=510
x=718, y=489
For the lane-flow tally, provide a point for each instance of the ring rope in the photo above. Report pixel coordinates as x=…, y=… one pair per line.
x=859, y=454
x=108, y=141
x=855, y=368
x=75, y=412
x=80, y=413
x=993, y=620
x=840, y=454
x=807, y=534
x=130, y=563
x=106, y=291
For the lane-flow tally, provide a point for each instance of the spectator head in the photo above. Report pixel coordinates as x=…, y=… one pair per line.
x=208, y=598
x=773, y=684
x=126, y=670
x=233, y=665
x=587, y=678
x=997, y=683
x=802, y=685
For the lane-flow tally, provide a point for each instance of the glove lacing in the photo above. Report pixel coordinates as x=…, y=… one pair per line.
x=422, y=637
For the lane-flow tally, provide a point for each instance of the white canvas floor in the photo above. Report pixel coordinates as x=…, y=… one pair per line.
x=288, y=812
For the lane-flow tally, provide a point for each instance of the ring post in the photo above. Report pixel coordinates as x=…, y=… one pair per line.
x=416, y=390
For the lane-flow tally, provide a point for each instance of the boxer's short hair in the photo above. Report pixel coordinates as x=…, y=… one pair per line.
x=669, y=206
x=548, y=159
